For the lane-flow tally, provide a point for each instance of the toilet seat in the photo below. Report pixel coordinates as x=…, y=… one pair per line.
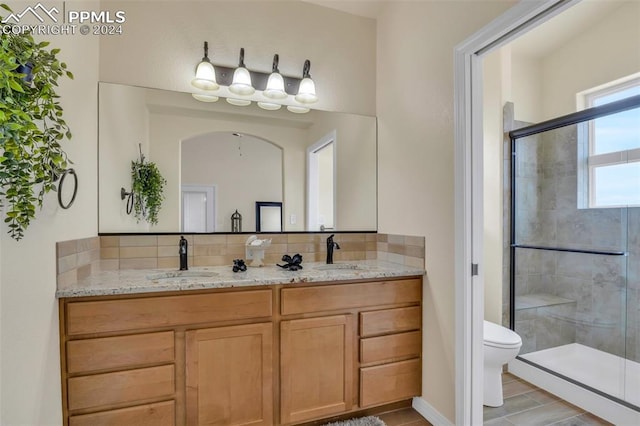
x=500, y=337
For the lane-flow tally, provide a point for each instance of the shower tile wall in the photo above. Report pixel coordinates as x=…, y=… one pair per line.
x=564, y=297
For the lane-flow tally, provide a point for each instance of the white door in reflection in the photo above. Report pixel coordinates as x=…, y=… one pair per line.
x=321, y=159
x=198, y=208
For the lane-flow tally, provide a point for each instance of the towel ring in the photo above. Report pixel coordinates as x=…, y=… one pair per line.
x=75, y=188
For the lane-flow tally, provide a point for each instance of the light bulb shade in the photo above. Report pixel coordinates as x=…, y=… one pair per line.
x=297, y=109
x=275, y=87
x=205, y=77
x=239, y=102
x=269, y=106
x=241, y=84
x=204, y=97
x=307, y=91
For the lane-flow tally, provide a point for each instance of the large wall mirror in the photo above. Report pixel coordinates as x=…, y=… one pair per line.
x=218, y=158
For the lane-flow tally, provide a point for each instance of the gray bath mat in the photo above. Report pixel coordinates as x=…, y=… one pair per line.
x=360, y=421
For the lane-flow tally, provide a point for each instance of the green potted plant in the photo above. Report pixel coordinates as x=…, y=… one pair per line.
x=148, y=189
x=32, y=126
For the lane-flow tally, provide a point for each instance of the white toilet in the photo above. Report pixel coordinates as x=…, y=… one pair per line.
x=501, y=345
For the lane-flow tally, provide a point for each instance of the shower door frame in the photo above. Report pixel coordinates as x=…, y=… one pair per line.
x=514, y=135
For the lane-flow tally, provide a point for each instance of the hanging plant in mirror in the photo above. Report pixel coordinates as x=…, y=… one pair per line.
x=31, y=126
x=148, y=187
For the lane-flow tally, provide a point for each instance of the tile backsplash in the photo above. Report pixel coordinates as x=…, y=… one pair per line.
x=404, y=249
x=77, y=259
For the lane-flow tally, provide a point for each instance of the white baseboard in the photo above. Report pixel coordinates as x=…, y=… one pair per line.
x=427, y=411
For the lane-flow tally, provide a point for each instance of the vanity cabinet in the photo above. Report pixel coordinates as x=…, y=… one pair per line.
x=390, y=348
x=264, y=355
x=162, y=360
x=229, y=375
x=315, y=367
x=354, y=346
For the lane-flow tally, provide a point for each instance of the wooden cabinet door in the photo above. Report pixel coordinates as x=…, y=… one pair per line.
x=229, y=375
x=316, y=367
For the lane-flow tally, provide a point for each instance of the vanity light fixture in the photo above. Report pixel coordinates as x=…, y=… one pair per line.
x=273, y=89
x=270, y=106
x=205, y=78
x=204, y=97
x=307, y=91
x=241, y=84
x=275, y=83
x=239, y=102
x=297, y=109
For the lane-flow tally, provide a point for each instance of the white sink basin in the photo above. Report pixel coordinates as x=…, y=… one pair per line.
x=172, y=275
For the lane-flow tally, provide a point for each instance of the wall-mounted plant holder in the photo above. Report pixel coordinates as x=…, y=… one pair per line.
x=68, y=204
x=148, y=185
x=129, y=196
x=27, y=70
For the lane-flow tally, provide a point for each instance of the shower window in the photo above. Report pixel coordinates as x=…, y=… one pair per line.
x=611, y=169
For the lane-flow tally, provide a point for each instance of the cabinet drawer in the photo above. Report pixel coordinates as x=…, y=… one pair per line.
x=116, y=352
x=387, y=321
x=167, y=311
x=391, y=347
x=158, y=414
x=121, y=387
x=346, y=296
x=390, y=382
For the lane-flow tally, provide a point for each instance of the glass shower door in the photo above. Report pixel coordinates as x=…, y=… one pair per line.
x=574, y=266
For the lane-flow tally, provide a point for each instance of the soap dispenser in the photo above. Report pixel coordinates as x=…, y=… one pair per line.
x=183, y=251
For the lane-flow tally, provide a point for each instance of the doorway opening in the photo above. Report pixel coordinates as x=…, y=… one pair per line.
x=198, y=208
x=321, y=181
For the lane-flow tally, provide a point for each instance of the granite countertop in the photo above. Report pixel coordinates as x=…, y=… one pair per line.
x=158, y=280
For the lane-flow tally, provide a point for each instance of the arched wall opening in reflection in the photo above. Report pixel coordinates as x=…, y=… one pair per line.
x=240, y=168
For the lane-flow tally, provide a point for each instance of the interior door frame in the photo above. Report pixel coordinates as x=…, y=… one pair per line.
x=312, y=168
x=468, y=128
x=211, y=191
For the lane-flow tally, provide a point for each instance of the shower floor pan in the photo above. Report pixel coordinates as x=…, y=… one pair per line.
x=600, y=370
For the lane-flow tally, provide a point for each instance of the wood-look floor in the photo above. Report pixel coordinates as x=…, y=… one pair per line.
x=403, y=417
x=526, y=404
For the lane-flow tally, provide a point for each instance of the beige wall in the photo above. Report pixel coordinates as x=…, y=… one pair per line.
x=29, y=312
x=416, y=176
x=124, y=119
x=606, y=52
x=525, y=79
x=355, y=168
x=492, y=185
